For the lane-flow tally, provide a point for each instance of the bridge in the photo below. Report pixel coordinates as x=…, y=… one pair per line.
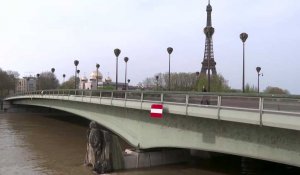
x=258, y=126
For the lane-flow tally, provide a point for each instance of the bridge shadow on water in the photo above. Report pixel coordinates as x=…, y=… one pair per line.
x=236, y=165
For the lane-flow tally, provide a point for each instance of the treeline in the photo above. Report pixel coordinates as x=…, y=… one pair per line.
x=184, y=82
x=7, y=81
x=195, y=82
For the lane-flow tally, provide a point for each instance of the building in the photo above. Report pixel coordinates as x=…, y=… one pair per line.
x=91, y=83
x=26, y=84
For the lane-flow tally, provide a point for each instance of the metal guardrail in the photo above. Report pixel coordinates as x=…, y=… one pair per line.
x=257, y=102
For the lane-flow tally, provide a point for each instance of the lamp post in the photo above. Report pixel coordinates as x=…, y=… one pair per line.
x=64, y=76
x=117, y=53
x=156, y=77
x=126, y=60
x=128, y=83
x=38, y=81
x=97, y=66
x=28, y=79
x=170, y=50
x=78, y=71
x=76, y=62
x=258, y=69
x=243, y=37
x=197, y=78
x=53, y=70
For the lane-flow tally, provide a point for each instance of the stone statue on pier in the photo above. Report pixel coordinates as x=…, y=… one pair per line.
x=104, y=153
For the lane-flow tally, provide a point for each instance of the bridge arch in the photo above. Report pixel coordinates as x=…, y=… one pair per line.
x=183, y=131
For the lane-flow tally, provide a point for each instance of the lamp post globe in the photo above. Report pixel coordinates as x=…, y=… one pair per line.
x=117, y=53
x=169, y=50
x=243, y=37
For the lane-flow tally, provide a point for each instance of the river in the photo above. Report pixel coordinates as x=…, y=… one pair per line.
x=38, y=144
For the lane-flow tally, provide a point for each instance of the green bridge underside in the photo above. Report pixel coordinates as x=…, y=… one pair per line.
x=257, y=133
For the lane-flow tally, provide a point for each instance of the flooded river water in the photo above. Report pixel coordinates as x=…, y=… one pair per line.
x=32, y=143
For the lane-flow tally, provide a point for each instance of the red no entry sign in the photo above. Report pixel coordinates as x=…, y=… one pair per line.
x=156, y=111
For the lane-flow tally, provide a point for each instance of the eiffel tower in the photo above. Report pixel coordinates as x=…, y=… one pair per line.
x=208, y=63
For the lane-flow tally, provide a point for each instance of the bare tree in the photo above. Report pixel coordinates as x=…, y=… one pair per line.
x=48, y=80
x=7, y=82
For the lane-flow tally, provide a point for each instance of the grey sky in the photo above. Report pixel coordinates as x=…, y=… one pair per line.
x=37, y=35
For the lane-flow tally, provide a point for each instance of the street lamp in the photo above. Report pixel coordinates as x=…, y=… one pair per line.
x=126, y=60
x=243, y=37
x=76, y=62
x=258, y=69
x=64, y=76
x=117, y=53
x=53, y=70
x=38, y=81
x=197, y=78
x=28, y=79
x=78, y=71
x=128, y=82
x=97, y=66
x=170, y=50
x=156, y=77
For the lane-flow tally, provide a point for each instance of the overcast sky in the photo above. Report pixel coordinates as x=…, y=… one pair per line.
x=36, y=35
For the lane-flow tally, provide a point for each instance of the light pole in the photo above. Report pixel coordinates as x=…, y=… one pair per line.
x=258, y=69
x=53, y=70
x=38, y=81
x=197, y=78
x=78, y=71
x=126, y=60
x=156, y=77
x=170, y=50
x=128, y=82
x=76, y=62
x=243, y=37
x=97, y=66
x=28, y=79
x=117, y=53
x=64, y=76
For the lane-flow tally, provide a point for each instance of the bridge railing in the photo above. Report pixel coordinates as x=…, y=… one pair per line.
x=290, y=104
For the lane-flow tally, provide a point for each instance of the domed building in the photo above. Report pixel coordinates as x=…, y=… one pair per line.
x=91, y=83
x=83, y=80
x=108, y=80
x=93, y=76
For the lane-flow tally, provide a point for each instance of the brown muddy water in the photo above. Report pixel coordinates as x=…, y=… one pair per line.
x=43, y=144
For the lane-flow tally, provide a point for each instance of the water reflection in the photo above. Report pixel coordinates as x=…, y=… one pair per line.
x=35, y=144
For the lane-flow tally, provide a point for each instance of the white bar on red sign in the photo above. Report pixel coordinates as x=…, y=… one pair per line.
x=156, y=111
